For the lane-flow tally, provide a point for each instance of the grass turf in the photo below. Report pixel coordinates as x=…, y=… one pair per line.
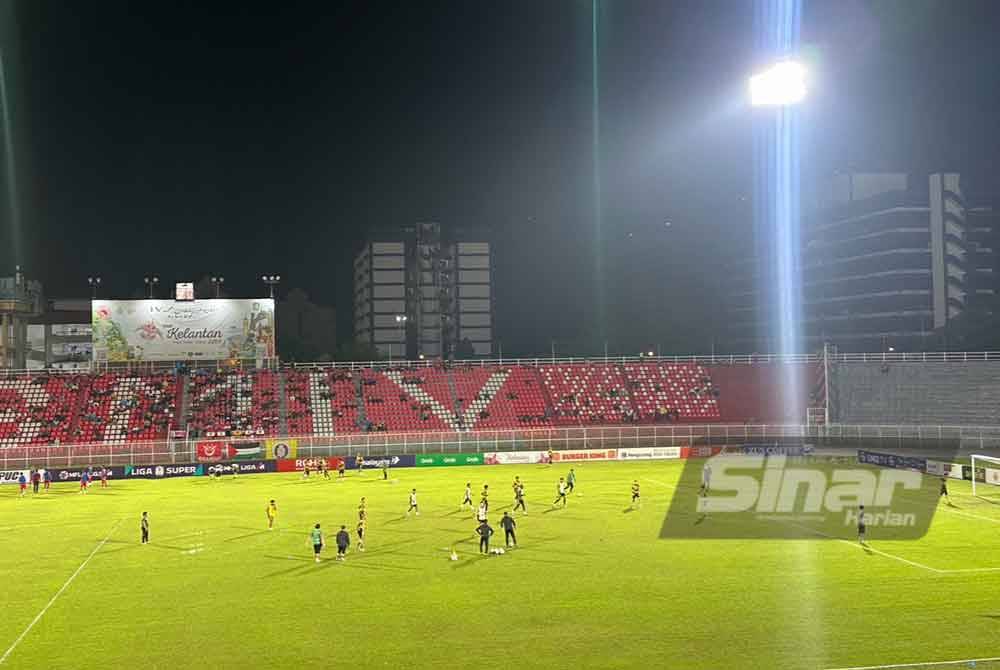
x=592, y=585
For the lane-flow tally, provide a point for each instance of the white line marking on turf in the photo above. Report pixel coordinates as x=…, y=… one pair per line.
x=918, y=665
x=38, y=617
x=865, y=547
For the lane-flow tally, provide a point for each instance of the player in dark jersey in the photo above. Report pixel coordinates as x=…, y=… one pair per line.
x=944, y=490
x=343, y=541
x=484, y=531
x=571, y=480
x=144, y=528
x=36, y=480
x=635, y=494
x=508, y=524
x=862, y=528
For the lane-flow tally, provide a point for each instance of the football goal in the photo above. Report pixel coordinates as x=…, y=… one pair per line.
x=989, y=485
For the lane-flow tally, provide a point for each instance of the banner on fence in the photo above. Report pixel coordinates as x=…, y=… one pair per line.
x=228, y=451
x=241, y=467
x=11, y=476
x=700, y=451
x=448, y=459
x=585, y=455
x=163, y=471
x=74, y=474
x=942, y=469
x=967, y=473
x=892, y=461
x=299, y=464
x=992, y=476
x=379, y=462
x=771, y=449
x=651, y=453
x=513, y=457
x=279, y=449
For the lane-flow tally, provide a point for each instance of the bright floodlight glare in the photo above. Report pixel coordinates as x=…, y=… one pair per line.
x=782, y=84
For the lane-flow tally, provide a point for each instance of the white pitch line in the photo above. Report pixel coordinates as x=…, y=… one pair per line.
x=6, y=654
x=918, y=665
x=865, y=547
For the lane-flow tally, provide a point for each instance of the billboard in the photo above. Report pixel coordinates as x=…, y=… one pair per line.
x=166, y=330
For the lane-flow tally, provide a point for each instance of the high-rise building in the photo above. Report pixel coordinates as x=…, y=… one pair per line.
x=425, y=291
x=887, y=260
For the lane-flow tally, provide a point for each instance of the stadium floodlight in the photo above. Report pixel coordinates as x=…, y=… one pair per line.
x=271, y=281
x=780, y=85
x=151, y=281
x=218, y=282
x=991, y=475
x=94, y=283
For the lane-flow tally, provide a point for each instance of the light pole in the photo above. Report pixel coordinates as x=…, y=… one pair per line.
x=218, y=282
x=94, y=283
x=400, y=324
x=151, y=281
x=271, y=281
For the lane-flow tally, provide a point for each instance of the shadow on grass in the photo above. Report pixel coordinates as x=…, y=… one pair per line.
x=246, y=535
x=470, y=561
x=628, y=510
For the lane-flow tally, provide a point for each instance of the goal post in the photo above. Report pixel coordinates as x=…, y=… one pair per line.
x=990, y=484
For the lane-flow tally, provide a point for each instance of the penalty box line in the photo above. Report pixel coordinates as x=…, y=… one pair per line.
x=963, y=661
x=38, y=617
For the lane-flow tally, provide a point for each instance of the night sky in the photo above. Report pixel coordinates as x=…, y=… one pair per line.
x=191, y=138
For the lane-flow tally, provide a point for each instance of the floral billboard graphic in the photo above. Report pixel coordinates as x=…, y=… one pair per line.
x=165, y=330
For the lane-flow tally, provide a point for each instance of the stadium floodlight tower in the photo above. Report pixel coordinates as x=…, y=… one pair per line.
x=95, y=283
x=151, y=281
x=271, y=281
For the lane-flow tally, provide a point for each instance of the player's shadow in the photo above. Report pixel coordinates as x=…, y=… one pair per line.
x=470, y=561
x=867, y=549
x=246, y=535
x=700, y=520
x=304, y=563
x=628, y=510
x=995, y=617
x=552, y=509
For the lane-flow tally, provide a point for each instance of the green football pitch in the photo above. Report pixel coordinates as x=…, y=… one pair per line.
x=591, y=585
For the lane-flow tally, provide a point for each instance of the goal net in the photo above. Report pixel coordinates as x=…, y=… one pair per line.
x=989, y=485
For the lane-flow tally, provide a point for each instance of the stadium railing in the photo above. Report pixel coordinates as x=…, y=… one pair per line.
x=730, y=359
x=611, y=437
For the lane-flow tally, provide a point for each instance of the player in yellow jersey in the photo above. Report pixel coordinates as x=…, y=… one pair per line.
x=272, y=513
x=362, y=528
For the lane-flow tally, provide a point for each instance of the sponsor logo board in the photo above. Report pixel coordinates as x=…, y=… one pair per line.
x=652, y=453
